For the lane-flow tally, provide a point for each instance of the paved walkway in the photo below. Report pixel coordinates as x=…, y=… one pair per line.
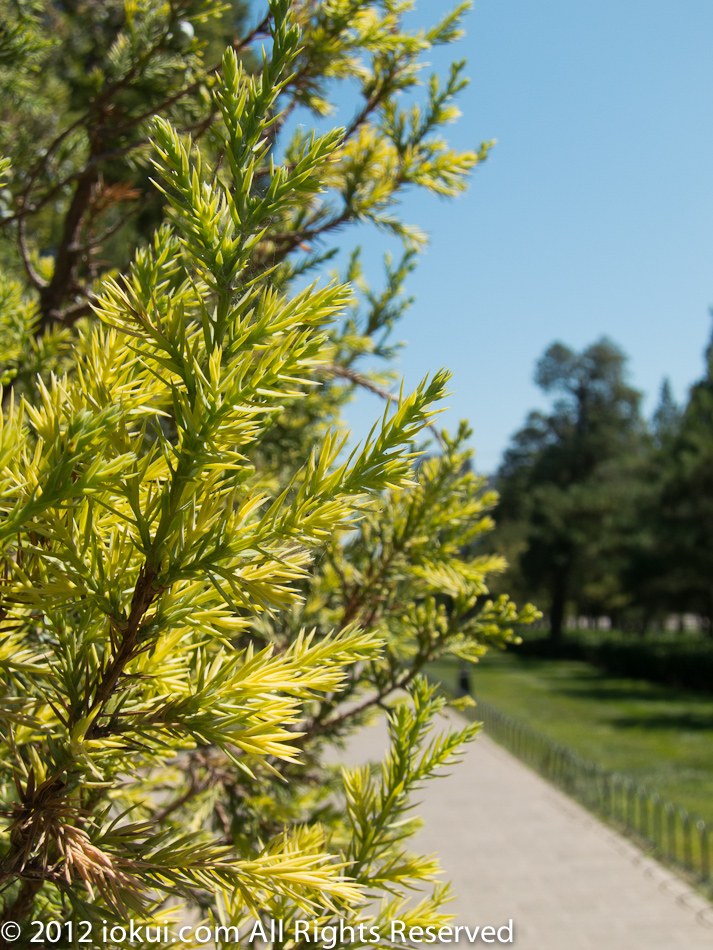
x=516, y=848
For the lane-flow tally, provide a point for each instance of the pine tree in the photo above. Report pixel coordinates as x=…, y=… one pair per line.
x=679, y=558
x=201, y=590
x=567, y=478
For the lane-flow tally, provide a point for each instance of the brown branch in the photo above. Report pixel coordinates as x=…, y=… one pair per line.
x=107, y=232
x=32, y=274
x=318, y=727
x=28, y=207
x=372, y=102
x=289, y=241
x=96, y=108
x=69, y=316
x=344, y=372
x=193, y=789
x=14, y=861
x=144, y=595
x=97, y=111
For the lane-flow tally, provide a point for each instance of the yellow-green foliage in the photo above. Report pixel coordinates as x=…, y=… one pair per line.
x=195, y=578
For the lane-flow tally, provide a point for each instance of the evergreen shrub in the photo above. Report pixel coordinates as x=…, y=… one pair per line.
x=202, y=591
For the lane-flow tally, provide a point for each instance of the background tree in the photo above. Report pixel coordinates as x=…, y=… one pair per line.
x=567, y=477
x=648, y=565
x=195, y=578
x=678, y=560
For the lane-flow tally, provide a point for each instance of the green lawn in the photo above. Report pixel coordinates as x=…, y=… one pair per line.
x=660, y=736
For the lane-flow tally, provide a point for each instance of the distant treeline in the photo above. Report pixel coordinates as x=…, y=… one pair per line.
x=604, y=512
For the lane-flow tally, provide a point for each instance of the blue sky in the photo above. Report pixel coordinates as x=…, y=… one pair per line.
x=593, y=215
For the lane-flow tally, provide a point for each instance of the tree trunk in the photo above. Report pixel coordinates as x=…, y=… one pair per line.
x=646, y=623
x=65, y=266
x=559, y=592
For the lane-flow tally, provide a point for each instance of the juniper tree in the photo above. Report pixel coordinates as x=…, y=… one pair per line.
x=201, y=589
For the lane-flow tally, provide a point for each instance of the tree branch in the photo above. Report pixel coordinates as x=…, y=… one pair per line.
x=32, y=274
x=344, y=372
x=259, y=30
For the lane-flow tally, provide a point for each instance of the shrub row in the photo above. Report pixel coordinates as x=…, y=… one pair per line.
x=683, y=662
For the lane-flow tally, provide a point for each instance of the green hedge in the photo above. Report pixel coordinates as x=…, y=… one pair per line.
x=681, y=661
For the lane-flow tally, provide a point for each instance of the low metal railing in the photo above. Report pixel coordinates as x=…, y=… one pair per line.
x=670, y=831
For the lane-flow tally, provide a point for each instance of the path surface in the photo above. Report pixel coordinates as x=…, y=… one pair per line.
x=516, y=848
